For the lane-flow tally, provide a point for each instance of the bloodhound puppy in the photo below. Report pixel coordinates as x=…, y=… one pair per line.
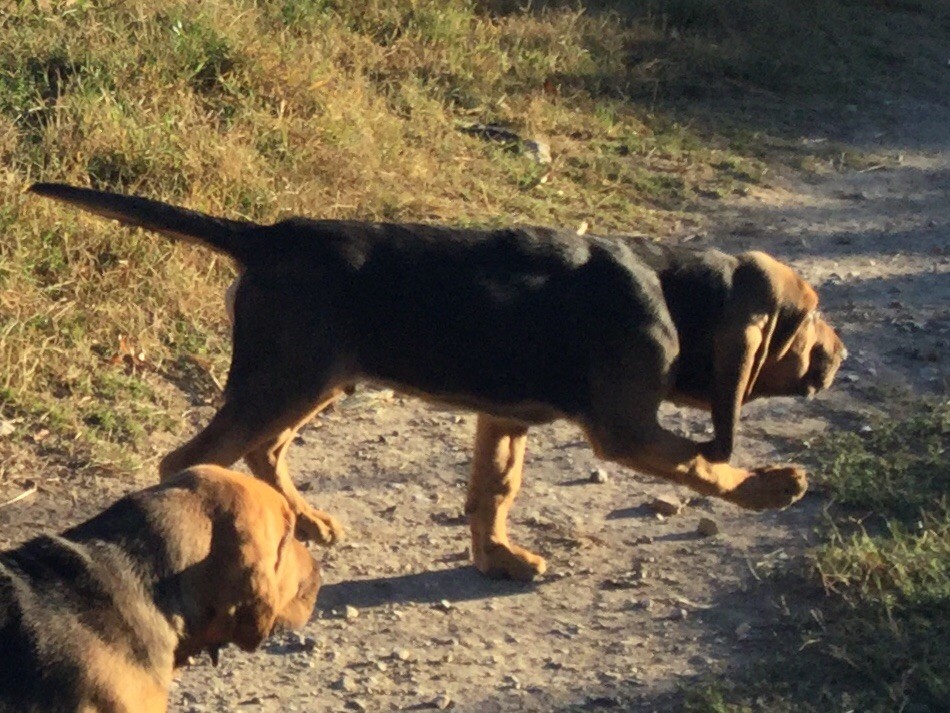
x=522, y=325
x=96, y=619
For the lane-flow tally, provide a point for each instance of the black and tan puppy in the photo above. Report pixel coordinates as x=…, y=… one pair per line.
x=522, y=325
x=96, y=619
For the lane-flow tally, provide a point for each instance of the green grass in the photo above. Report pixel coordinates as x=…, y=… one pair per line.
x=263, y=108
x=874, y=598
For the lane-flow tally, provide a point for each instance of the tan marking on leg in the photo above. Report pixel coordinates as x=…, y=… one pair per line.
x=493, y=486
x=269, y=463
x=680, y=460
x=222, y=442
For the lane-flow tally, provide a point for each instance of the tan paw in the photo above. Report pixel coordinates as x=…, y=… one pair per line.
x=320, y=527
x=509, y=562
x=770, y=488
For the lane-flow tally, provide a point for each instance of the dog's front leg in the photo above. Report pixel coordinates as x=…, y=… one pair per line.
x=656, y=451
x=493, y=486
x=734, y=362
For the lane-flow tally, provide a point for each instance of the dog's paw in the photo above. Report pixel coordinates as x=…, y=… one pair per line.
x=770, y=488
x=509, y=562
x=320, y=527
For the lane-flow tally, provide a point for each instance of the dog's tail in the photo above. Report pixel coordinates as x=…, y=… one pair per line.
x=232, y=237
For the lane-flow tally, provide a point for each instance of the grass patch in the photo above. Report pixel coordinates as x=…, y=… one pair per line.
x=875, y=616
x=263, y=108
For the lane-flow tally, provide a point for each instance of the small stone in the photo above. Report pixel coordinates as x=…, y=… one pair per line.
x=598, y=475
x=445, y=605
x=402, y=655
x=344, y=683
x=707, y=527
x=678, y=614
x=355, y=704
x=442, y=702
x=644, y=604
x=351, y=613
x=666, y=505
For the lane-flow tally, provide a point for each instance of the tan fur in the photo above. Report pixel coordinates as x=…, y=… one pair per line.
x=230, y=571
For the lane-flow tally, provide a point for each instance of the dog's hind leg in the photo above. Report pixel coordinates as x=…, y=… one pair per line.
x=493, y=486
x=269, y=463
x=222, y=442
x=261, y=435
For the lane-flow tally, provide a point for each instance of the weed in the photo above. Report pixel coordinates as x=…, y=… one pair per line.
x=873, y=633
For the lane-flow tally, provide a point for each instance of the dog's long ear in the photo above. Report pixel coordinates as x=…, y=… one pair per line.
x=769, y=302
x=264, y=536
x=797, y=302
x=792, y=302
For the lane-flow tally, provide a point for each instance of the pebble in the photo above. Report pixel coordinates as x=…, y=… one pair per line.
x=442, y=702
x=598, y=476
x=344, y=683
x=678, y=614
x=707, y=527
x=646, y=604
x=666, y=505
x=351, y=613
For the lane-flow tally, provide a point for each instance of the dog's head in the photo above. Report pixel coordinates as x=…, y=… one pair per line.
x=800, y=353
x=254, y=576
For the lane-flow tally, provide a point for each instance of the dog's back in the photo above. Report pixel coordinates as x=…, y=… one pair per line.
x=72, y=618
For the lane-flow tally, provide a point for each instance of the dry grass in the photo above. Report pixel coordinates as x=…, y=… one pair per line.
x=336, y=109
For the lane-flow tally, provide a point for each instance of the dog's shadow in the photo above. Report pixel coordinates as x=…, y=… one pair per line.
x=437, y=587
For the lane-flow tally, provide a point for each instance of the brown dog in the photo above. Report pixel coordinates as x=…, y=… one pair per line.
x=522, y=325
x=97, y=618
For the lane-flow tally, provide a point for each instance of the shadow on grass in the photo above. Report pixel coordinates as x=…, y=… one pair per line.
x=734, y=68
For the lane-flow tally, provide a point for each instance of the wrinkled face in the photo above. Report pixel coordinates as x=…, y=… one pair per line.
x=807, y=366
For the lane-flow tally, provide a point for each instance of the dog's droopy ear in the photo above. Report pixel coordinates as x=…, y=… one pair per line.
x=791, y=302
x=797, y=302
x=769, y=304
x=264, y=533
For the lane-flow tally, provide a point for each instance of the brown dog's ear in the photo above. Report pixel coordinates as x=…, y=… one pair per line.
x=265, y=535
x=793, y=302
x=797, y=302
x=768, y=305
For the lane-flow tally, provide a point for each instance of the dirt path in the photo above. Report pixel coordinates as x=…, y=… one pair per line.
x=634, y=606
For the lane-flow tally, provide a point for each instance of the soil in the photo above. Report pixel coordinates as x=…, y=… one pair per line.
x=635, y=607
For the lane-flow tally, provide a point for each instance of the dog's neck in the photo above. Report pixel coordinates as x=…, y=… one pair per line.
x=128, y=530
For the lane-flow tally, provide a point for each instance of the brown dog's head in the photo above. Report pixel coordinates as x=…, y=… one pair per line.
x=800, y=353
x=250, y=575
